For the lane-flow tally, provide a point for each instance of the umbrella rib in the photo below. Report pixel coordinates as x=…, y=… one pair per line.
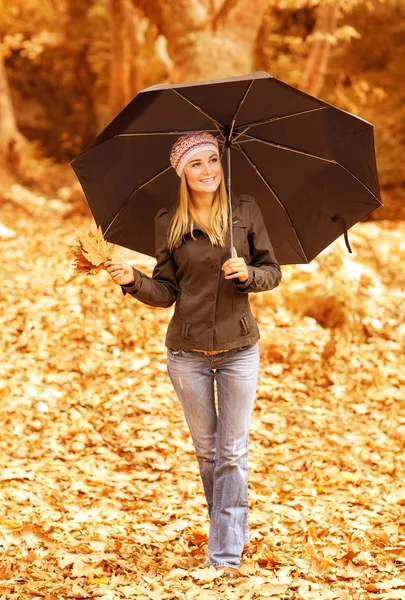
x=159, y=133
x=272, y=119
x=252, y=138
x=266, y=183
x=233, y=121
x=357, y=179
x=133, y=194
x=214, y=121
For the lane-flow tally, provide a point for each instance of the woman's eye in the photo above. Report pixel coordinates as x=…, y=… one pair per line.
x=195, y=165
x=214, y=159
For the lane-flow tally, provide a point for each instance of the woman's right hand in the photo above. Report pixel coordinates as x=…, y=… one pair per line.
x=121, y=273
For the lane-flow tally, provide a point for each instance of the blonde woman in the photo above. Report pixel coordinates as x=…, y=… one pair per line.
x=212, y=336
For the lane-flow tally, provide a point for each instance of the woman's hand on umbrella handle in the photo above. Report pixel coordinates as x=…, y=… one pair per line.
x=121, y=273
x=235, y=268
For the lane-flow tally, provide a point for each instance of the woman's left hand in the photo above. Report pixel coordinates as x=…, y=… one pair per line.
x=235, y=268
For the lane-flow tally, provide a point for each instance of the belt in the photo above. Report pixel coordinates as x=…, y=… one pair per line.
x=208, y=352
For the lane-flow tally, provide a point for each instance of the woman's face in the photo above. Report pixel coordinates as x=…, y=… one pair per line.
x=203, y=172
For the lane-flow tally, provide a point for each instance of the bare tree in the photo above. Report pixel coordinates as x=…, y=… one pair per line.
x=122, y=40
x=207, y=38
x=11, y=140
x=314, y=75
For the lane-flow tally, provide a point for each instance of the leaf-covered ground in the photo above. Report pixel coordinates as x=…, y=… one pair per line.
x=100, y=492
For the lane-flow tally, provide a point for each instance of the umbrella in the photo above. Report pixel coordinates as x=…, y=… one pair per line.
x=310, y=166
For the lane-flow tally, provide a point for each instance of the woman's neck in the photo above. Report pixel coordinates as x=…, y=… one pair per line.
x=202, y=201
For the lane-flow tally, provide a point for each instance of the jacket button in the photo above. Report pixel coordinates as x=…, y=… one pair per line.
x=234, y=221
x=209, y=324
x=210, y=296
x=214, y=269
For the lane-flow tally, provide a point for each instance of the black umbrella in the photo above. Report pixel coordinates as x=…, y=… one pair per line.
x=310, y=166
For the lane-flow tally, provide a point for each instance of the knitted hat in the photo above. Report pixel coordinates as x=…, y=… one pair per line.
x=189, y=144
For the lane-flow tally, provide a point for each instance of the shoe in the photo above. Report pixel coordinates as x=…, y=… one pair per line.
x=229, y=572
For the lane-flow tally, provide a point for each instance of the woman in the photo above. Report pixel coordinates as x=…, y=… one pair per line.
x=212, y=335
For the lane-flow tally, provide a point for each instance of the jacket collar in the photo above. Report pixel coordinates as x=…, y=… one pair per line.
x=235, y=200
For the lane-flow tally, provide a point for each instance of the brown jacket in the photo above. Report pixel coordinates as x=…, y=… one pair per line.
x=211, y=312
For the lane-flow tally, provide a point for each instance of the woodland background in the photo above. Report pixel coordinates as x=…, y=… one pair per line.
x=99, y=490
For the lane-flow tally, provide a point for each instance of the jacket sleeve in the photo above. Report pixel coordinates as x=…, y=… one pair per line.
x=161, y=289
x=264, y=271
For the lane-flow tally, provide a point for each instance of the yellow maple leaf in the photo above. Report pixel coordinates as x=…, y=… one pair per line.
x=99, y=580
x=91, y=252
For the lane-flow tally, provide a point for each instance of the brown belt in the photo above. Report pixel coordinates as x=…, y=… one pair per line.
x=208, y=352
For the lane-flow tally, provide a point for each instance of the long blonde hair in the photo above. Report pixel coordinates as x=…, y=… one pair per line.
x=185, y=214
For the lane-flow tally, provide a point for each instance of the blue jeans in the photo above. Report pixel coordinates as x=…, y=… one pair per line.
x=220, y=438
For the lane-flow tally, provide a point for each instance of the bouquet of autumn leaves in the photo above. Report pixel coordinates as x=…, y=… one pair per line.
x=91, y=252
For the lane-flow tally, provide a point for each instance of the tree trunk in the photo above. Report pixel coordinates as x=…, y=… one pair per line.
x=133, y=27
x=314, y=75
x=124, y=50
x=207, y=39
x=75, y=54
x=11, y=140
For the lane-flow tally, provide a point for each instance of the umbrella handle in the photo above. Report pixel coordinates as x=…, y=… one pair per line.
x=346, y=236
x=345, y=233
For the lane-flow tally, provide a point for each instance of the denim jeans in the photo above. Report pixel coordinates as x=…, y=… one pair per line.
x=220, y=436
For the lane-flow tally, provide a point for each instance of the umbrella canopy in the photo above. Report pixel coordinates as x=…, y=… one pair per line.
x=310, y=166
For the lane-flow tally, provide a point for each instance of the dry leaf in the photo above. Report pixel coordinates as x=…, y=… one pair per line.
x=198, y=535
x=91, y=252
x=177, y=574
x=78, y=591
x=267, y=591
x=205, y=575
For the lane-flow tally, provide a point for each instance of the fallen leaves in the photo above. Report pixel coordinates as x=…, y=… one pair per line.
x=99, y=489
x=91, y=252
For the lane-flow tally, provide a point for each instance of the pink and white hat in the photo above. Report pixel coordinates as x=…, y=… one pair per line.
x=189, y=144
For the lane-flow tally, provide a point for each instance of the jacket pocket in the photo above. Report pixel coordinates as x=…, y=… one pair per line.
x=184, y=330
x=240, y=239
x=245, y=326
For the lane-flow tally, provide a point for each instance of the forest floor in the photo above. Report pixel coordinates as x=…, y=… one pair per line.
x=99, y=486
